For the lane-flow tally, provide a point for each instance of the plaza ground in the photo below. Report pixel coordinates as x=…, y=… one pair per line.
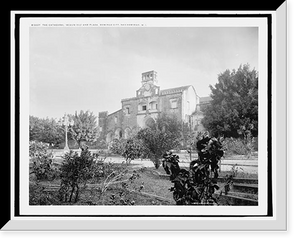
x=242, y=164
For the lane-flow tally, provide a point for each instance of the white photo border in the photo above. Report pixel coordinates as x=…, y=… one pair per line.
x=42, y=212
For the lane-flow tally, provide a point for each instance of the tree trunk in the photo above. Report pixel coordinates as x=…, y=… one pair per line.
x=73, y=188
x=77, y=193
x=157, y=163
x=128, y=160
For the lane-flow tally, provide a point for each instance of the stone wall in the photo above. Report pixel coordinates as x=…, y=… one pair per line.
x=129, y=119
x=102, y=123
x=165, y=104
x=114, y=120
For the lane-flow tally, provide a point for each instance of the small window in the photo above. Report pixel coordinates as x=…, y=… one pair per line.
x=127, y=111
x=100, y=129
x=173, y=103
x=144, y=107
x=116, y=119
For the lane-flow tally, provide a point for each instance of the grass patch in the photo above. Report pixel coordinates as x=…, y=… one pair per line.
x=148, y=189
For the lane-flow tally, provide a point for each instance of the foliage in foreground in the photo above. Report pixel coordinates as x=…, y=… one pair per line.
x=79, y=170
x=42, y=161
x=75, y=170
x=197, y=185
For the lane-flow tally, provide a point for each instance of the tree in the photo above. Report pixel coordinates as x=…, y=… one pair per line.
x=45, y=130
x=85, y=128
x=163, y=135
x=233, y=111
x=129, y=149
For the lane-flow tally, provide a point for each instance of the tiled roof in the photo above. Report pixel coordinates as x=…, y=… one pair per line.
x=174, y=90
x=115, y=112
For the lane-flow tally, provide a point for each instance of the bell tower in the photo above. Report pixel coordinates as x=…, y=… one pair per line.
x=149, y=77
x=149, y=85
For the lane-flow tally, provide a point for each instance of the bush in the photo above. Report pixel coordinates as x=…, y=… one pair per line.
x=129, y=149
x=42, y=161
x=238, y=146
x=75, y=171
x=198, y=184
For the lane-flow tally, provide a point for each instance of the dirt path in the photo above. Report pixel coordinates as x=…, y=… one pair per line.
x=246, y=165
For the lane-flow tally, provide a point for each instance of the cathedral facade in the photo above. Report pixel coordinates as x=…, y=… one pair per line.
x=142, y=110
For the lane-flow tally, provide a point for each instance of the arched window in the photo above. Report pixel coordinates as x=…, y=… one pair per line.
x=118, y=133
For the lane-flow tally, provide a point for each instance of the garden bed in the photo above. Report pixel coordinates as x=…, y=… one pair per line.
x=150, y=188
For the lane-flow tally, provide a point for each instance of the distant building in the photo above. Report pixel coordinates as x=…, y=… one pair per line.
x=140, y=111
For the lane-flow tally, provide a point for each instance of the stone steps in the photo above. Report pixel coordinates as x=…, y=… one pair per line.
x=240, y=180
x=243, y=192
x=233, y=200
x=245, y=188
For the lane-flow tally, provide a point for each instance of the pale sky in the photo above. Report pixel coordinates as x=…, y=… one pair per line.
x=93, y=68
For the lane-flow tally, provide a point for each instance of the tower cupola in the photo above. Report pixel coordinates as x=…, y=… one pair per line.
x=149, y=77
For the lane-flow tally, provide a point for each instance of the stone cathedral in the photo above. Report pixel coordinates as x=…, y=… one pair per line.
x=141, y=110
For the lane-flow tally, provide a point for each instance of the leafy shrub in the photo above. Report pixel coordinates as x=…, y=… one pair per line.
x=78, y=170
x=129, y=149
x=238, y=146
x=197, y=184
x=42, y=161
x=75, y=171
x=39, y=196
x=123, y=196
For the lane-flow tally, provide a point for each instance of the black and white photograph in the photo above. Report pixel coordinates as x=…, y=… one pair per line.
x=155, y=116
x=134, y=115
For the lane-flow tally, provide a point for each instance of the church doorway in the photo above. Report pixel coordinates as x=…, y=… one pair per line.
x=127, y=133
x=149, y=122
x=118, y=134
